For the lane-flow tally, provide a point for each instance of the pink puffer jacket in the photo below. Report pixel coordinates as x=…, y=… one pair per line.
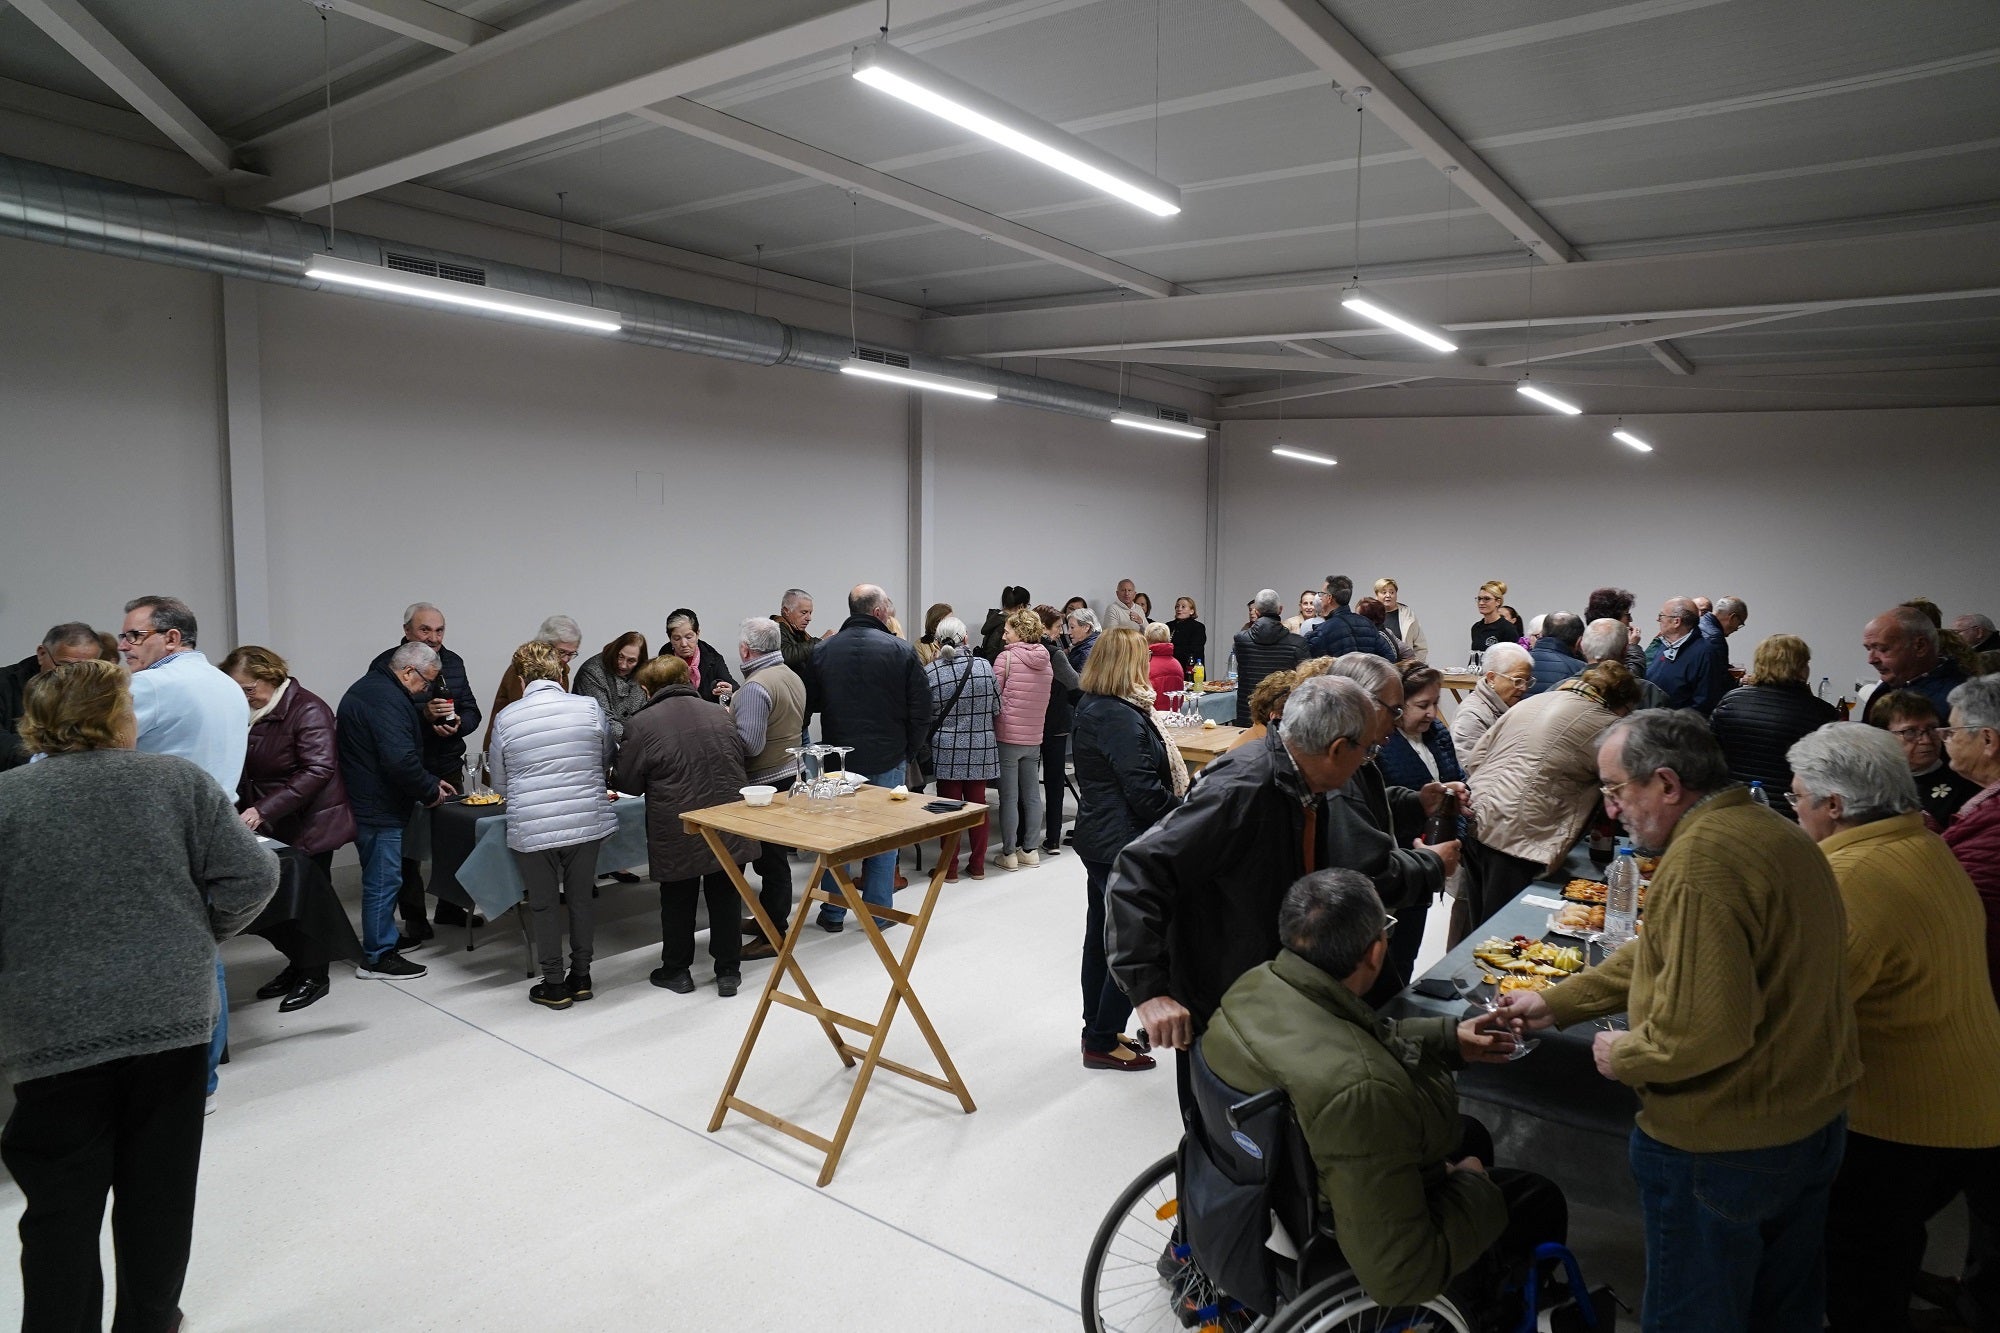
x=1025, y=680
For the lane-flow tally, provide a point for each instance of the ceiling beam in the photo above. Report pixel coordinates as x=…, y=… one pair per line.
x=571, y=68
x=72, y=27
x=1670, y=356
x=434, y=25
x=741, y=136
x=1320, y=38
x=1914, y=265
x=1639, y=334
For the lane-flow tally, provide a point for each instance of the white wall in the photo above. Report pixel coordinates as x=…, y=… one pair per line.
x=1818, y=519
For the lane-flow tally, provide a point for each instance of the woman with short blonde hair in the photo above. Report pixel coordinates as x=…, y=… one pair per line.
x=1401, y=622
x=1770, y=712
x=1494, y=625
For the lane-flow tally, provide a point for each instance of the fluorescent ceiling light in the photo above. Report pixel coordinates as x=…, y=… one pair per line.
x=915, y=379
x=1627, y=437
x=1283, y=451
x=1174, y=428
x=1547, y=399
x=349, y=273
x=1369, y=308
x=880, y=65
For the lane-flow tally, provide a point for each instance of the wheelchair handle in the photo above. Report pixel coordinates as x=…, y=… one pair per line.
x=1251, y=1106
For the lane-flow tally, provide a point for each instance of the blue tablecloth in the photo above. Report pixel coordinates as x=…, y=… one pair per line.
x=1219, y=707
x=490, y=879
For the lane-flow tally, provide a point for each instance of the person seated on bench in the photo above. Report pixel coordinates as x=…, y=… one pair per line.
x=1418, y=1209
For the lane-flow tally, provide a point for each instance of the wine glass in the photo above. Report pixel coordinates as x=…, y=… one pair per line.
x=1468, y=984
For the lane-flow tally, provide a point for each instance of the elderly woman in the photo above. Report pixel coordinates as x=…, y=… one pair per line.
x=1129, y=774
x=1497, y=623
x=1772, y=710
x=1534, y=785
x=291, y=790
x=1972, y=746
x=119, y=873
x=607, y=677
x=1190, y=636
x=1506, y=676
x=1925, y=1118
x=1162, y=669
x=1376, y=826
x=560, y=633
x=707, y=671
x=1081, y=628
x=1024, y=678
x=1913, y=719
x=964, y=702
x=550, y=749
x=1401, y=625
x=682, y=753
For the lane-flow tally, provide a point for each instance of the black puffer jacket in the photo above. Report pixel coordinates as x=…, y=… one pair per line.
x=1347, y=631
x=873, y=696
x=1265, y=648
x=1123, y=781
x=1757, y=724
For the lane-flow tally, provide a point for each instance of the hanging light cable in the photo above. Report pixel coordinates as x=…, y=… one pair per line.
x=892, y=367
x=1527, y=388
x=1359, y=299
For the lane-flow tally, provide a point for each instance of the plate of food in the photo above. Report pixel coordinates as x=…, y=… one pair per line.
x=483, y=798
x=1523, y=957
x=1590, y=891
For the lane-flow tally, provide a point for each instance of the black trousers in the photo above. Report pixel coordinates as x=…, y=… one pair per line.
x=1105, y=1007
x=1055, y=753
x=774, y=874
x=1883, y=1198
x=1491, y=880
x=725, y=923
x=130, y=1128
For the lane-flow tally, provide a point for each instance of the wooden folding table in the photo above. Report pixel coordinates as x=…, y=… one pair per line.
x=1200, y=745
x=864, y=824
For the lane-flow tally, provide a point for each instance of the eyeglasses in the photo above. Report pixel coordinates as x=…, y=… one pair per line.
x=1917, y=733
x=1484, y=598
x=1394, y=710
x=135, y=637
x=1389, y=930
x=1610, y=793
x=1946, y=733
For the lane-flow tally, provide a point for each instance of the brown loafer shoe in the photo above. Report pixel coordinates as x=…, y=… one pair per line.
x=1124, y=1058
x=757, y=948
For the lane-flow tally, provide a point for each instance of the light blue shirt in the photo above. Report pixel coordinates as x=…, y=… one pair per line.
x=187, y=707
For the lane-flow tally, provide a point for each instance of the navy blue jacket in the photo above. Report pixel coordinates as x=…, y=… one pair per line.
x=1348, y=631
x=873, y=695
x=1697, y=676
x=1554, y=664
x=381, y=730
x=1402, y=768
x=1935, y=685
x=444, y=756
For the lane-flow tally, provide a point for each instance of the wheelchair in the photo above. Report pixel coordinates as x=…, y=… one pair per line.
x=1227, y=1234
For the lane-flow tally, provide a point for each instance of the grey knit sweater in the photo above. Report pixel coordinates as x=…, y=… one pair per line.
x=119, y=872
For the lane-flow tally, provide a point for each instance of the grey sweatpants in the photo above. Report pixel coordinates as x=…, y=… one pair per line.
x=1020, y=797
x=572, y=872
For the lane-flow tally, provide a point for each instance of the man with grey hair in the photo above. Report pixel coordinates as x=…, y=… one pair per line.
x=1729, y=615
x=1376, y=1102
x=1264, y=648
x=560, y=633
x=1692, y=668
x=795, y=615
x=72, y=641
x=381, y=738
x=451, y=713
x=1124, y=609
x=1742, y=1045
x=1902, y=646
x=1978, y=632
x=1608, y=640
x=1192, y=903
x=1555, y=653
x=770, y=712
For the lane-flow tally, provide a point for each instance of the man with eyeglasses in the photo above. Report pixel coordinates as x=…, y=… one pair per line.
x=1742, y=1046
x=184, y=705
x=1692, y=668
x=73, y=641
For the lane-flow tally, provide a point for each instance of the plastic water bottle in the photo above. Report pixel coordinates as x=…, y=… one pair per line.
x=1621, y=900
x=1758, y=796
x=1824, y=682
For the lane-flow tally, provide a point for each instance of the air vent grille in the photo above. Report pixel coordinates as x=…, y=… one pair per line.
x=431, y=268
x=882, y=358
x=1176, y=415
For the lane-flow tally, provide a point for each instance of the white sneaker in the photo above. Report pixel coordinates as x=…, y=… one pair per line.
x=1029, y=858
x=1007, y=861
x=208, y=1107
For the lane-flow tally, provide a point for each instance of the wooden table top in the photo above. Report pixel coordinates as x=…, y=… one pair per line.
x=865, y=823
x=1460, y=680
x=1202, y=744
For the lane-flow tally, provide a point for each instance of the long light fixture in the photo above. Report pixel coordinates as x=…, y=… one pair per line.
x=1173, y=428
x=1624, y=436
x=1367, y=305
x=880, y=65
x=916, y=379
x=1529, y=390
x=349, y=273
x=1286, y=451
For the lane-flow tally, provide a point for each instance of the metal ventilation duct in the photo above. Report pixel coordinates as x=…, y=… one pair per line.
x=79, y=212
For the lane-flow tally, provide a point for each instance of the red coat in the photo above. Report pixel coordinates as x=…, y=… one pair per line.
x=1164, y=670
x=1974, y=838
x=291, y=773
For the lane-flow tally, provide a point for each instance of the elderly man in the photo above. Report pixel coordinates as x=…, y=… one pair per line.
x=1978, y=633
x=1415, y=1198
x=451, y=713
x=1742, y=1047
x=873, y=697
x=795, y=618
x=1506, y=675
x=1692, y=668
x=1342, y=629
x=770, y=711
x=1902, y=646
x=184, y=705
x=381, y=732
x=1556, y=654
x=73, y=641
x=1609, y=640
x=560, y=631
x=1124, y=608
x=1264, y=649
x=1192, y=903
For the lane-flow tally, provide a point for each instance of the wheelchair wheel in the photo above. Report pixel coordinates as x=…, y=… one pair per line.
x=1131, y=1282
x=1339, y=1305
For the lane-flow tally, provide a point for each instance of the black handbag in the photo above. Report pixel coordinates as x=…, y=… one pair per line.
x=928, y=771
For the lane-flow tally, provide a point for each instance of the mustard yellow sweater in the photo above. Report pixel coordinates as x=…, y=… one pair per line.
x=1916, y=967
x=1742, y=1031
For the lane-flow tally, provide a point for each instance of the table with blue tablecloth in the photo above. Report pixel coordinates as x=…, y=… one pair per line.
x=470, y=864
x=1219, y=706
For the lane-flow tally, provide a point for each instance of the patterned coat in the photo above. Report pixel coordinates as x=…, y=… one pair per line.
x=964, y=749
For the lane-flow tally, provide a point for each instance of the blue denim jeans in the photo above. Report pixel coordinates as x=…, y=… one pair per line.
x=218, y=1039
x=1736, y=1240
x=381, y=879
x=878, y=872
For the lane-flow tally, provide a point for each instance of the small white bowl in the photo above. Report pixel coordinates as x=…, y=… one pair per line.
x=758, y=795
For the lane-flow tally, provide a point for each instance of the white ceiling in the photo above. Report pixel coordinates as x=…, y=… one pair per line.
x=1650, y=136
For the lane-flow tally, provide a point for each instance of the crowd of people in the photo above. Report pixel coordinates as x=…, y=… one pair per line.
x=1811, y=953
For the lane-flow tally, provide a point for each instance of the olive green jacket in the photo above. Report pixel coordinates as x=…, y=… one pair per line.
x=1375, y=1100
